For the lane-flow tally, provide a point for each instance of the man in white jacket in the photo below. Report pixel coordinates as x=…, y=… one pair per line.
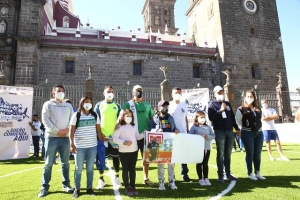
x=56, y=115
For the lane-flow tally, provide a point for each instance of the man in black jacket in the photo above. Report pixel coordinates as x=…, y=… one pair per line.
x=223, y=119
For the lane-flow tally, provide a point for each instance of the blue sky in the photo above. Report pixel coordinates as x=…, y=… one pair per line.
x=127, y=13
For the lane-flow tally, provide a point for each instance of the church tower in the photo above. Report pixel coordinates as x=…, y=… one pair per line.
x=158, y=14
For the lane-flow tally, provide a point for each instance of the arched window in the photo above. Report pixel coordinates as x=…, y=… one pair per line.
x=66, y=21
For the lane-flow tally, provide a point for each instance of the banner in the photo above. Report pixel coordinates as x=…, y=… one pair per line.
x=15, y=113
x=165, y=147
x=288, y=132
x=195, y=100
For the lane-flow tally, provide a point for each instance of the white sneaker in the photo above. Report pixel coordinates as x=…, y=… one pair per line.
x=207, y=182
x=285, y=158
x=161, y=186
x=172, y=185
x=117, y=182
x=202, y=182
x=252, y=177
x=272, y=158
x=260, y=176
x=101, y=184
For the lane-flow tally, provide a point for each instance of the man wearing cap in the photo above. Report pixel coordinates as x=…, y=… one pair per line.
x=221, y=115
x=164, y=122
x=142, y=113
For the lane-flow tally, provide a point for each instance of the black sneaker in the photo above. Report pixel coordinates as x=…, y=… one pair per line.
x=134, y=191
x=231, y=177
x=128, y=191
x=68, y=189
x=186, y=179
x=221, y=179
x=42, y=193
x=91, y=192
x=76, y=194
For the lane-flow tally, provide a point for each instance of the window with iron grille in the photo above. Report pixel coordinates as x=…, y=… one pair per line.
x=69, y=67
x=137, y=68
x=196, y=70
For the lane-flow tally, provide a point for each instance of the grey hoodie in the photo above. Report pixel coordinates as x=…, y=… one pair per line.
x=204, y=130
x=56, y=116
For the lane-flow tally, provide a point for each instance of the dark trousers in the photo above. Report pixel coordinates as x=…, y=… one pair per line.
x=184, y=171
x=203, y=167
x=36, y=145
x=128, y=161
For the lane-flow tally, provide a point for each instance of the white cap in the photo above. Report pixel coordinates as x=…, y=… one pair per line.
x=217, y=89
x=136, y=87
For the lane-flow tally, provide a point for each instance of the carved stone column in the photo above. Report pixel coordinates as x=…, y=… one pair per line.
x=165, y=86
x=90, y=88
x=229, y=95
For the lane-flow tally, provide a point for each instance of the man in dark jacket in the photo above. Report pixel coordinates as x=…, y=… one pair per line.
x=223, y=119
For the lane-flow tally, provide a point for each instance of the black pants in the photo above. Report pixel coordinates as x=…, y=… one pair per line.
x=203, y=166
x=36, y=145
x=128, y=161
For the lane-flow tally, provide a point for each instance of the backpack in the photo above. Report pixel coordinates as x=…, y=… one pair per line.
x=78, y=117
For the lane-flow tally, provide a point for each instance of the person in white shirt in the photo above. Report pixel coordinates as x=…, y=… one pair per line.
x=36, y=134
x=126, y=136
x=269, y=130
x=178, y=111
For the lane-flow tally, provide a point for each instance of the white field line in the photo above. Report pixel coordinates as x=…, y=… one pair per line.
x=224, y=192
x=19, y=172
x=112, y=177
x=292, y=152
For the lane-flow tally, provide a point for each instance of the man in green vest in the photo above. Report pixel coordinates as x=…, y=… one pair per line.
x=108, y=112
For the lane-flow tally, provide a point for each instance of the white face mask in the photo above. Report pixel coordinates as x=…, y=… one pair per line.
x=128, y=120
x=249, y=100
x=60, y=95
x=220, y=97
x=87, y=106
x=201, y=120
x=177, y=97
x=109, y=96
x=264, y=105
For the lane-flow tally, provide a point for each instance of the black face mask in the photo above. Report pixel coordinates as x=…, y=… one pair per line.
x=164, y=111
x=138, y=94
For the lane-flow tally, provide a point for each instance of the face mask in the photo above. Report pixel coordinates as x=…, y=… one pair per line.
x=264, y=105
x=249, y=100
x=138, y=94
x=109, y=96
x=60, y=95
x=87, y=106
x=201, y=120
x=177, y=97
x=220, y=97
x=128, y=120
x=164, y=111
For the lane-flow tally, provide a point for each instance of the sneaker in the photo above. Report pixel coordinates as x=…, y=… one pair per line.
x=231, y=177
x=220, y=179
x=148, y=182
x=68, y=189
x=161, y=186
x=91, y=192
x=207, y=182
x=233, y=150
x=271, y=158
x=117, y=182
x=76, y=194
x=134, y=191
x=128, y=191
x=252, y=177
x=186, y=179
x=202, y=182
x=242, y=151
x=42, y=193
x=259, y=176
x=285, y=158
x=101, y=184
x=172, y=185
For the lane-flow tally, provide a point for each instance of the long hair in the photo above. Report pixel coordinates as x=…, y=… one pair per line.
x=121, y=118
x=254, y=103
x=195, y=120
x=80, y=107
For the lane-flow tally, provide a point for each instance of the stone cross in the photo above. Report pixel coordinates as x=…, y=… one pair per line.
x=165, y=71
x=227, y=73
x=280, y=79
x=91, y=67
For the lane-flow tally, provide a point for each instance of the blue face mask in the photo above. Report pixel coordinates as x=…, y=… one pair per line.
x=264, y=105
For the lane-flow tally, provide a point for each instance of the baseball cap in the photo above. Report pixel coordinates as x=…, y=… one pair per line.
x=162, y=103
x=136, y=87
x=217, y=89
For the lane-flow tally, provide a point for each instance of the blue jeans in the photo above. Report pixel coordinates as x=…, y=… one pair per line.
x=253, y=143
x=224, y=142
x=52, y=146
x=88, y=154
x=241, y=145
x=43, y=144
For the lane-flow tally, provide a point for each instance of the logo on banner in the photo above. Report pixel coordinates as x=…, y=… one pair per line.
x=12, y=111
x=194, y=107
x=19, y=134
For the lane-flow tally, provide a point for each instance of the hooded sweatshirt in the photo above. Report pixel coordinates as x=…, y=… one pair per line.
x=56, y=116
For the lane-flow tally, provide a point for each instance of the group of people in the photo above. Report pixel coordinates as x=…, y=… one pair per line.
x=111, y=130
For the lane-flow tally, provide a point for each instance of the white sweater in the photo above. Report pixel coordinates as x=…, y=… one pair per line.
x=127, y=133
